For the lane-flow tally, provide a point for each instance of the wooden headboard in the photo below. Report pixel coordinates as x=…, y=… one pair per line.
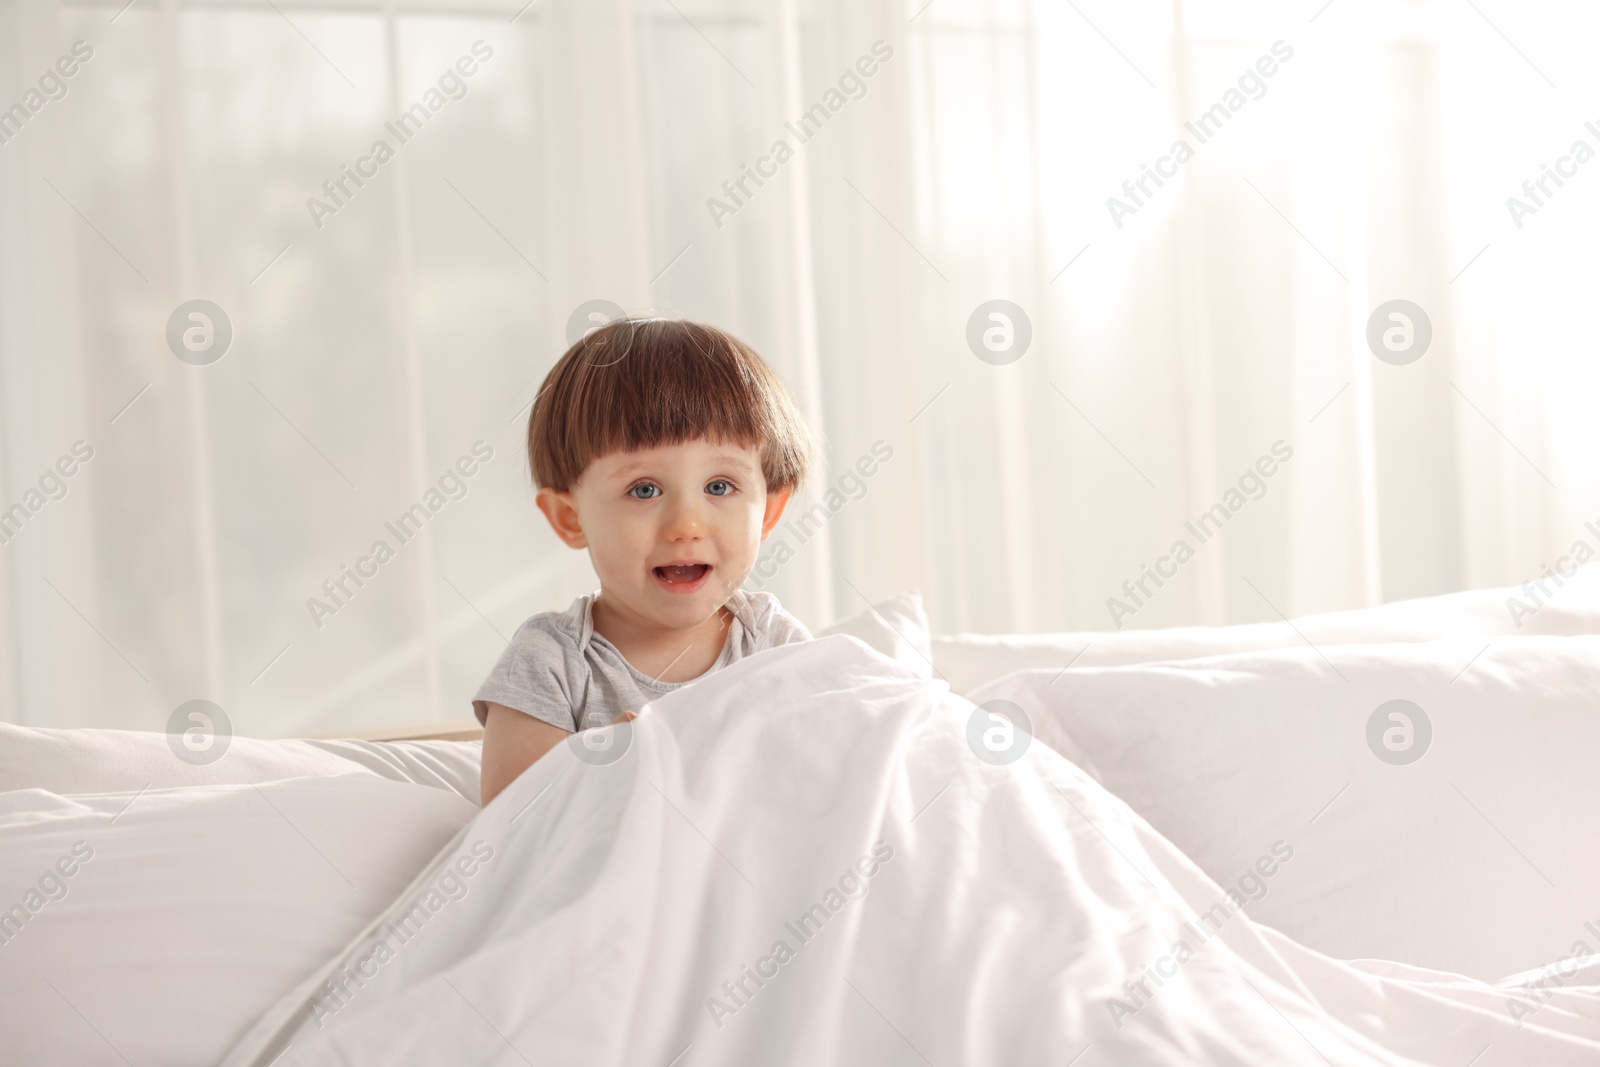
x=452, y=730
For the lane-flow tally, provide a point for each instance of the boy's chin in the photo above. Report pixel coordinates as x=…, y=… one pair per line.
x=681, y=611
x=677, y=610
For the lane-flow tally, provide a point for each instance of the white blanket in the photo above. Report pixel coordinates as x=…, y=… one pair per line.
x=649, y=911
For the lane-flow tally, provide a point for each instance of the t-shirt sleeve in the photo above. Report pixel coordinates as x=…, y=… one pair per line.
x=777, y=627
x=534, y=676
x=786, y=629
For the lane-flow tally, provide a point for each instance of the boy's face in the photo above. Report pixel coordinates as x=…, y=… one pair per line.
x=672, y=531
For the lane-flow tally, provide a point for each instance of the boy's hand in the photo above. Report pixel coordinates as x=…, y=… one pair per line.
x=626, y=716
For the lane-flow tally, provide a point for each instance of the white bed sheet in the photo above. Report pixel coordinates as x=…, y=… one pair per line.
x=966, y=913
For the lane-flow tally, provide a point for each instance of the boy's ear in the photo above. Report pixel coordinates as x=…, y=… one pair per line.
x=776, y=502
x=563, y=517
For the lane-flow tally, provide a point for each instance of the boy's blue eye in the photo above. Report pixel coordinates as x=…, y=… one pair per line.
x=719, y=488
x=645, y=491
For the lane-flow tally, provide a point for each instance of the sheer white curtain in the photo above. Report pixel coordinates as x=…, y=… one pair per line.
x=580, y=160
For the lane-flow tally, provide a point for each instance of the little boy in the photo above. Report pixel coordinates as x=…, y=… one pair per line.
x=668, y=449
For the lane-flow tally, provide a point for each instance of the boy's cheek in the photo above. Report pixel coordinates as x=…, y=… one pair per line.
x=608, y=562
x=752, y=530
x=613, y=533
x=619, y=551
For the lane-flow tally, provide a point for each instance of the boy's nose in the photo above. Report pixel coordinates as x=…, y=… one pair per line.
x=685, y=523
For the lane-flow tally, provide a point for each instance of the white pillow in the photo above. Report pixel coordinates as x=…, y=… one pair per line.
x=452, y=765
x=970, y=660
x=1482, y=857
x=102, y=761
x=897, y=627
x=196, y=908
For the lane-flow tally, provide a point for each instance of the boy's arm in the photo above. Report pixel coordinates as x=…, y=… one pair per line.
x=512, y=742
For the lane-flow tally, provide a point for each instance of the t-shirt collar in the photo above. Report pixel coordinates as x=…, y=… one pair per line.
x=583, y=608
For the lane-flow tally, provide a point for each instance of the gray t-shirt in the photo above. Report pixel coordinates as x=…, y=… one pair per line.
x=559, y=670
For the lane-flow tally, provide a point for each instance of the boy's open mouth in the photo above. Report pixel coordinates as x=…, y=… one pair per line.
x=682, y=577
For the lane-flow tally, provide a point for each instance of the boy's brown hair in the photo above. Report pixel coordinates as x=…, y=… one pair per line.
x=641, y=383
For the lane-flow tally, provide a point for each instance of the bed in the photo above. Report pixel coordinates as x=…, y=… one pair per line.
x=1194, y=846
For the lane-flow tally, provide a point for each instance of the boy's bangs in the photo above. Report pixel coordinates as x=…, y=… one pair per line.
x=664, y=389
x=637, y=384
